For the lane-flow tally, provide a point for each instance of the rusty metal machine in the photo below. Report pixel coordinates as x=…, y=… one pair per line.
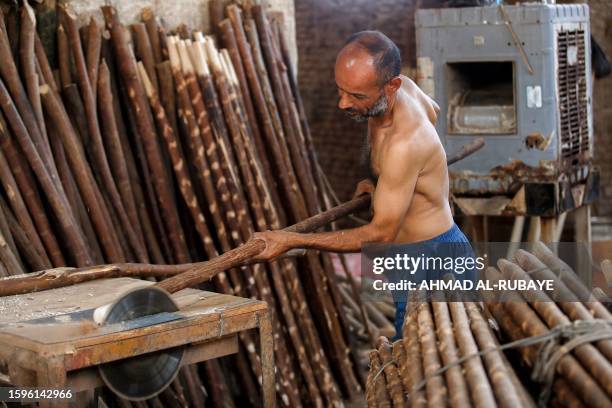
x=520, y=76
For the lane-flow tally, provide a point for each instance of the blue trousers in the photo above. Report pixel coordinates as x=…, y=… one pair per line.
x=452, y=243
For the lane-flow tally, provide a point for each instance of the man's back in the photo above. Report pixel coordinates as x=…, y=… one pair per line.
x=412, y=130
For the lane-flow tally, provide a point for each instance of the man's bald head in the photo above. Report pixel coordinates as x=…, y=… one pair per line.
x=384, y=53
x=367, y=75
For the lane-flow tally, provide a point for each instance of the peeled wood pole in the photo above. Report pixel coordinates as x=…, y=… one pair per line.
x=258, y=271
x=435, y=388
x=273, y=131
x=210, y=99
x=476, y=376
x=457, y=388
x=326, y=308
x=129, y=74
x=499, y=370
x=92, y=57
x=528, y=354
x=246, y=160
x=195, y=132
x=229, y=38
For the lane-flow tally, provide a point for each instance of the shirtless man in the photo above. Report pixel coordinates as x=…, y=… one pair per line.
x=410, y=197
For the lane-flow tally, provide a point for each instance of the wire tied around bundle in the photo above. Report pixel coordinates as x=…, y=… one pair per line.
x=560, y=341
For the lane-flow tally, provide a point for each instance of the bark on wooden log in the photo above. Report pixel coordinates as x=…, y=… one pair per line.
x=116, y=155
x=43, y=66
x=144, y=52
x=63, y=57
x=381, y=395
x=150, y=21
x=10, y=76
x=20, y=210
x=394, y=384
x=8, y=235
x=144, y=216
x=27, y=187
x=275, y=135
x=56, y=197
x=99, y=155
x=84, y=177
x=10, y=260
x=229, y=37
x=28, y=66
x=127, y=67
x=92, y=58
x=22, y=242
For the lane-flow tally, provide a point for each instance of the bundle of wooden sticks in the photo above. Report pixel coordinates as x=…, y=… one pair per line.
x=142, y=145
x=562, y=337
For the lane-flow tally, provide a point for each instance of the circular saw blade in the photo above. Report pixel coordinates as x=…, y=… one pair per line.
x=144, y=376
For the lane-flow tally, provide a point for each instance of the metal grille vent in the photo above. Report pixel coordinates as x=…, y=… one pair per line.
x=573, y=98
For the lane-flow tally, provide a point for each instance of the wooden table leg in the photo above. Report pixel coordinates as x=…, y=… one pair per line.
x=267, y=360
x=52, y=374
x=582, y=236
x=548, y=226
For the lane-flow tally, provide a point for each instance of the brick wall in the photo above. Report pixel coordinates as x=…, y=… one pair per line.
x=322, y=27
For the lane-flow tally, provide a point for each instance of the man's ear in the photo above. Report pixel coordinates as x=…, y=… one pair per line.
x=393, y=85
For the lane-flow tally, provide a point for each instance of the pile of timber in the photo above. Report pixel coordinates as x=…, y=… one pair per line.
x=369, y=315
x=563, y=339
x=437, y=334
x=144, y=148
x=588, y=365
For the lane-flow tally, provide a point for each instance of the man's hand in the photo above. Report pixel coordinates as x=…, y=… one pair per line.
x=364, y=187
x=276, y=244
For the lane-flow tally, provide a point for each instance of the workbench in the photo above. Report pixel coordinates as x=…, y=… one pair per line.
x=48, y=339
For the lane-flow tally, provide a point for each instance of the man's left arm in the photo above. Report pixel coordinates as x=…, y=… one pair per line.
x=390, y=202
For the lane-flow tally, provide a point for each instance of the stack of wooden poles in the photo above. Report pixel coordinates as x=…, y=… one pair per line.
x=437, y=334
x=150, y=147
x=563, y=339
x=582, y=377
x=370, y=316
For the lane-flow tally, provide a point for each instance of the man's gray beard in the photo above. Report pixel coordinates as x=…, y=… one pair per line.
x=379, y=109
